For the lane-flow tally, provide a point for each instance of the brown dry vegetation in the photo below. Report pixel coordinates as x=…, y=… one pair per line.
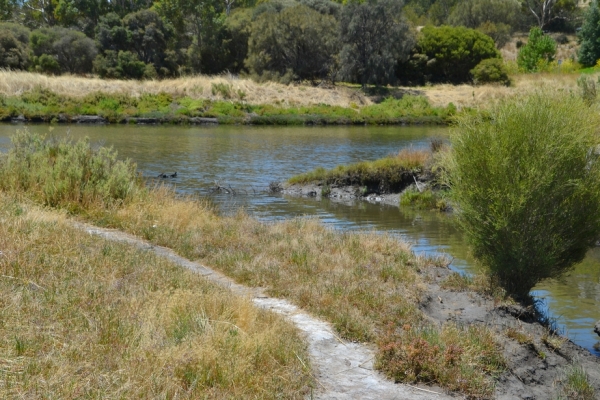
x=15, y=83
x=84, y=317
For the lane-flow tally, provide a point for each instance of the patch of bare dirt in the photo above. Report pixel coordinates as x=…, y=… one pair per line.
x=536, y=365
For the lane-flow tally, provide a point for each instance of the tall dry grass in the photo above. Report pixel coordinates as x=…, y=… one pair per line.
x=81, y=317
x=15, y=83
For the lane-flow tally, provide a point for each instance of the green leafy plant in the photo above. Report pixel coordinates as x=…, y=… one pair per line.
x=491, y=70
x=526, y=180
x=539, y=51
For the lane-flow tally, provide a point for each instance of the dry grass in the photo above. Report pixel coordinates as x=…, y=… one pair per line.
x=15, y=83
x=83, y=317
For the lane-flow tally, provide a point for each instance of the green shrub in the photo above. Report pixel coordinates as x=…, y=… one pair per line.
x=61, y=173
x=539, y=51
x=491, y=70
x=425, y=200
x=525, y=177
x=453, y=51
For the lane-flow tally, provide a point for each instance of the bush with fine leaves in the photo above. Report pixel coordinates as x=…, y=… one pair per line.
x=491, y=70
x=525, y=177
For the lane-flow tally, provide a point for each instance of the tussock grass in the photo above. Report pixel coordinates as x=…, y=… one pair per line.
x=575, y=384
x=366, y=284
x=15, y=83
x=386, y=174
x=84, y=317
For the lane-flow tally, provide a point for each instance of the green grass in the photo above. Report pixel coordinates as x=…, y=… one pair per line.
x=45, y=105
x=424, y=200
x=388, y=174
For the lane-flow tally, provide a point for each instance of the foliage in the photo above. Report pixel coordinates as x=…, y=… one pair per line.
x=589, y=36
x=587, y=86
x=450, y=356
x=423, y=200
x=539, y=50
x=119, y=65
x=72, y=51
x=474, y=13
x=548, y=11
x=60, y=173
x=374, y=38
x=297, y=39
x=491, y=70
x=500, y=33
x=452, y=52
x=13, y=46
x=526, y=180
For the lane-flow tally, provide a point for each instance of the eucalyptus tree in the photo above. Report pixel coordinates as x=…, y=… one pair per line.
x=374, y=37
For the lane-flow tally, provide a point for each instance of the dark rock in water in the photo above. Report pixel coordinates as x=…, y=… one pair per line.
x=597, y=328
x=19, y=119
x=88, y=119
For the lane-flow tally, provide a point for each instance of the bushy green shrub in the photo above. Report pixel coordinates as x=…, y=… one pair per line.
x=119, y=65
x=539, y=50
x=525, y=177
x=452, y=52
x=491, y=70
x=589, y=36
x=61, y=173
x=71, y=50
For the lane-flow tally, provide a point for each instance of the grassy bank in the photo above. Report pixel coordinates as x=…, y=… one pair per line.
x=84, y=317
x=367, y=285
x=390, y=174
x=387, y=174
x=45, y=103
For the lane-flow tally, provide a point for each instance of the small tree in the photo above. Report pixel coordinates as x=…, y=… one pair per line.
x=539, y=49
x=526, y=180
x=589, y=36
x=374, y=38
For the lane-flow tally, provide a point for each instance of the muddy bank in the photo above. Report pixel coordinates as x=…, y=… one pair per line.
x=537, y=361
x=343, y=194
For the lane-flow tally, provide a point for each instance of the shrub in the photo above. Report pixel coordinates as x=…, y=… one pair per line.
x=454, y=51
x=491, y=70
x=589, y=36
x=13, y=54
x=526, y=180
x=72, y=51
x=539, y=51
x=60, y=173
x=119, y=65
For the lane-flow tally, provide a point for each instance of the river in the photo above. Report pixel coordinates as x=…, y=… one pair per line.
x=248, y=158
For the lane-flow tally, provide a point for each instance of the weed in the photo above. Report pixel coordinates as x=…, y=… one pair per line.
x=325, y=190
x=424, y=200
x=222, y=89
x=518, y=335
x=575, y=383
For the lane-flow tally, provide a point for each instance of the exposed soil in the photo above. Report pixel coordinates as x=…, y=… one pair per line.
x=535, y=369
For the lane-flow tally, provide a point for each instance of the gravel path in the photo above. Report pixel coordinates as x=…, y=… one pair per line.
x=343, y=370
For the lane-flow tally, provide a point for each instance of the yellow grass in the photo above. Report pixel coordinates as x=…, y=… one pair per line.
x=15, y=83
x=81, y=317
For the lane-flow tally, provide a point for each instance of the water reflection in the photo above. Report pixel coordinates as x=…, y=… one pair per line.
x=249, y=158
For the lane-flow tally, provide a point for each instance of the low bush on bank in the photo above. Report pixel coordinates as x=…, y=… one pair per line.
x=386, y=174
x=526, y=180
x=62, y=173
x=85, y=317
x=366, y=284
x=425, y=200
x=45, y=105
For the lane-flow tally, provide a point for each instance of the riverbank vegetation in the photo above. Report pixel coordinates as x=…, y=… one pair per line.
x=526, y=178
x=367, y=285
x=44, y=105
x=85, y=317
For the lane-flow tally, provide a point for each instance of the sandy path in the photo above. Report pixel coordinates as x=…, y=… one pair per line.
x=343, y=370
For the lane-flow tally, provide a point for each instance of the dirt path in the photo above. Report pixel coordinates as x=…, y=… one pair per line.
x=343, y=370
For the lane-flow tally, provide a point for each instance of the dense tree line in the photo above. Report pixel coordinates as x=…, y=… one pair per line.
x=367, y=42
